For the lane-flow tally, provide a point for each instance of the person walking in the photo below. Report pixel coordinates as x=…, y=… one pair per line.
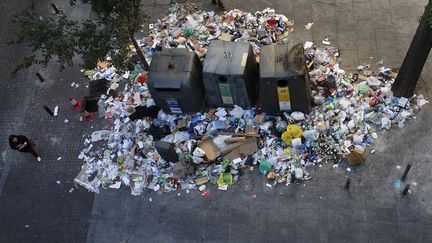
x=219, y=4
x=23, y=144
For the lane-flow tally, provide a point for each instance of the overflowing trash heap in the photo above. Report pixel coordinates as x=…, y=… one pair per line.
x=187, y=27
x=144, y=147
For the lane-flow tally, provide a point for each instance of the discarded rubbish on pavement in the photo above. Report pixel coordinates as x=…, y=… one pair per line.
x=144, y=147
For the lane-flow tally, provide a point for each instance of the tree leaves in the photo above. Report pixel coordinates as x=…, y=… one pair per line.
x=48, y=38
x=61, y=39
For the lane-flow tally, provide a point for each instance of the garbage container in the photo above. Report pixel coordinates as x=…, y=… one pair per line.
x=99, y=87
x=230, y=74
x=284, y=79
x=175, y=81
x=90, y=103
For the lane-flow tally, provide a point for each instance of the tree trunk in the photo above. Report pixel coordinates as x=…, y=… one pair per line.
x=140, y=53
x=415, y=58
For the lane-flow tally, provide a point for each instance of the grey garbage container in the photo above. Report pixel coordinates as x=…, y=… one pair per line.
x=230, y=74
x=284, y=79
x=175, y=81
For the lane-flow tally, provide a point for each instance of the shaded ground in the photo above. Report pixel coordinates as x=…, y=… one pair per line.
x=33, y=207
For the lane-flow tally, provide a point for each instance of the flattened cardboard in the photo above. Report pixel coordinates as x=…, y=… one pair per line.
x=212, y=152
x=201, y=180
x=240, y=134
x=247, y=148
x=235, y=139
x=231, y=147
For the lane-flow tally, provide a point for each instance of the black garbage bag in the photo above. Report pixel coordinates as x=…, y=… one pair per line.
x=158, y=132
x=143, y=111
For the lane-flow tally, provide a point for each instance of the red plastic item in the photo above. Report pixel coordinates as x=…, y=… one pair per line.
x=141, y=79
x=272, y=22
x=75, y=103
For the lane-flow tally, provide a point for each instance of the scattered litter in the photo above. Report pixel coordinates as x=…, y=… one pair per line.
x=326, y=41
x=58, y=182
x=397, y=183
x=398, y=167
x=27, y=226
x=59, y=158
x=71, y=190
x=308, y=44
x=56, y=110
x=223, y=187
x=100, y=135
x=150, y=199
x=202, y=188
x=205, y=193
x=218, y=146
x=309, y=26
x=66, y=121
x=372, y=151
x=116, y=185
x=348, y=169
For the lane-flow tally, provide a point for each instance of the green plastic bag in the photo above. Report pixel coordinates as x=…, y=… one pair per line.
x=363, y=89
x=187, y=32
x=225, y=163
x=264, y=166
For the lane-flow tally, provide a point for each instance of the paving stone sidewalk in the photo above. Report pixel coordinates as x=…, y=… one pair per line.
x=317, y=211
x=33, y=207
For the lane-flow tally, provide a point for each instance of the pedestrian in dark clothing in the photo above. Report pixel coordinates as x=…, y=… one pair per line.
x=23, y=144
x=219, y=4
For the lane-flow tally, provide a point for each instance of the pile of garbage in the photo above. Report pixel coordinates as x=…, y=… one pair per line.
x=187, y=27
x=144, y=147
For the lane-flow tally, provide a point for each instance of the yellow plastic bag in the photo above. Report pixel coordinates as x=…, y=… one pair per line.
x=225, y=178
x=292, y=131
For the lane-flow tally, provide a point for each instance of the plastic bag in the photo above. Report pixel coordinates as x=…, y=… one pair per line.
x=292, y=131
x=264, y=166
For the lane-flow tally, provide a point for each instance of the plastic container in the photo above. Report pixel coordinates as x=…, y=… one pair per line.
x=230, y=74
x=175, y=81
x=284, y=79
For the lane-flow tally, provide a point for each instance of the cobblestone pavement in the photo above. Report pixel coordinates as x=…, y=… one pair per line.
x=33, y=207
x=319, y=210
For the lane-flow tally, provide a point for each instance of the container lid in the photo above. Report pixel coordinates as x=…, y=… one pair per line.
x=169, y=66
x=226, y=57
x=282, y=60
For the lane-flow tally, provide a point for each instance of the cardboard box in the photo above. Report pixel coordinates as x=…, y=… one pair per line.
x=356, y=157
